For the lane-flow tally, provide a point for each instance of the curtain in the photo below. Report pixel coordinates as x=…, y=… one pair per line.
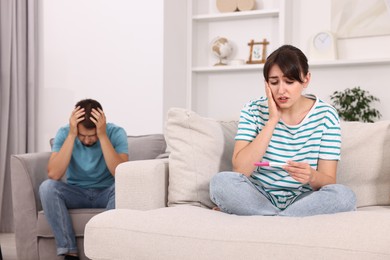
x=18, y=92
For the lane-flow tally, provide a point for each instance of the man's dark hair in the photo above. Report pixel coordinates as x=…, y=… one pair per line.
x=88, y=105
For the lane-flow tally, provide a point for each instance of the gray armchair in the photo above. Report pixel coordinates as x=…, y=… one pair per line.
x=33, y=236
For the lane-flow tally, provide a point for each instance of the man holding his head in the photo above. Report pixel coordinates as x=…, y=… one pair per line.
x=87, y=151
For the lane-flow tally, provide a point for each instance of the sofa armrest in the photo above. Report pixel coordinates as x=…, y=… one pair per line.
x=28, y=171
x=141, y=185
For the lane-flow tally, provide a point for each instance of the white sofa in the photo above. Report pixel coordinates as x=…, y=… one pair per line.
x=163, y=206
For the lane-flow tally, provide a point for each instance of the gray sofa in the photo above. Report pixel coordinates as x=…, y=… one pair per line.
x=34, y=239
x=163, y=206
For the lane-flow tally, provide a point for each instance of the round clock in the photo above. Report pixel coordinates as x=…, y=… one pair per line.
x=323, y=46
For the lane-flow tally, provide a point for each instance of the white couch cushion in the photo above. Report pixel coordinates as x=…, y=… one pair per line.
x=187, y=232
x=199, y=148
x=365, y=161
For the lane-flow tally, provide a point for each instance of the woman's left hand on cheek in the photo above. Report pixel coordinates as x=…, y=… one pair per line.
x=299, y=171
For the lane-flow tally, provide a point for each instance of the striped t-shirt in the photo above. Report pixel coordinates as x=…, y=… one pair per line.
x=316, y=137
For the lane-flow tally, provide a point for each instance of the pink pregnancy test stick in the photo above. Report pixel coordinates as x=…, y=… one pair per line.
x=272, y=164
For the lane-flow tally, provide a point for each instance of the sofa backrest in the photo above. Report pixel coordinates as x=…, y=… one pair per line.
x=144, y=147
x=200, y=147
x=365, y=161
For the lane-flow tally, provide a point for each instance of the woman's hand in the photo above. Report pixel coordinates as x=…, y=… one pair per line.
x=300, y=171
x=274, y=110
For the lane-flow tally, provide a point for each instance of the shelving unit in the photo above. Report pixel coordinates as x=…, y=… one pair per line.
x=204, y=24
x=191, y=80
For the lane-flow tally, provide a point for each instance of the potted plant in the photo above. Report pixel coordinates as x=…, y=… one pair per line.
x=355, y=105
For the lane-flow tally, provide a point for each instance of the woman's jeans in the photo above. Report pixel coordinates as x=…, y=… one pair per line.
x=57, y=197
x=234, y=193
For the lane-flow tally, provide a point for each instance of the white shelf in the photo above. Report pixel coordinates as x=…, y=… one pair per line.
x=343, y=63
x=236, y=15
x=246, y=67
x=314, y=64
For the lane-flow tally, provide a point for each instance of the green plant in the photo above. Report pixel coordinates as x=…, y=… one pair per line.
x=355, y=105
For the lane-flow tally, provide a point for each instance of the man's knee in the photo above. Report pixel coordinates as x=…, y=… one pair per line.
x=47, y=188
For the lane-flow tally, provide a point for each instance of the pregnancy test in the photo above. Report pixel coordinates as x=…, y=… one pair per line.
x=272, y=164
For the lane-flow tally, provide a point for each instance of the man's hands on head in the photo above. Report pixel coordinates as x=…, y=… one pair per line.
x=76, y=117
x=99, y=118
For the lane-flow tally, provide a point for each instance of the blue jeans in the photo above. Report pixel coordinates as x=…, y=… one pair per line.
x=57, y=197
x=234, y=193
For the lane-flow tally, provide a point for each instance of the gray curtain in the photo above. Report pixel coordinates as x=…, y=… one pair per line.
x=18, y=92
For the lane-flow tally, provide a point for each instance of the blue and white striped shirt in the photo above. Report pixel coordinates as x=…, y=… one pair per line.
x=316, y=137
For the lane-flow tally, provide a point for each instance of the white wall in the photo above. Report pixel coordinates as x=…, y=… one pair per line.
x=309, y=17
x=175, y=50
x=112, y=50
x=109, y=50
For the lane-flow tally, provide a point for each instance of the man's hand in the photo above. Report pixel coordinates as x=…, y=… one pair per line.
x=99, y=119
x=111, y=157
x=76, y=117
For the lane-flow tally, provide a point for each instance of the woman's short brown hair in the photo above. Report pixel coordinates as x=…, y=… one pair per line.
x=291, y=61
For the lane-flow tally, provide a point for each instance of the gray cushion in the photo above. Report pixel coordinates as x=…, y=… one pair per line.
x=80, y=217
x=145, y=147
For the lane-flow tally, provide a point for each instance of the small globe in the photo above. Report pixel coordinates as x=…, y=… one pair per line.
x=222, y=49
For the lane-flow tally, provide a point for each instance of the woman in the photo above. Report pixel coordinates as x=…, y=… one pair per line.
x=300, y=131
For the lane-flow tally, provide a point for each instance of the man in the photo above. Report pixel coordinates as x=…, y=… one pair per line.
x=87, y=150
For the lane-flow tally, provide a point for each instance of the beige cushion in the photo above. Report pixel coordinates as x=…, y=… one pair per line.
x=145, y=147
x=187, y=232
x=199, y=148
x=365, y=161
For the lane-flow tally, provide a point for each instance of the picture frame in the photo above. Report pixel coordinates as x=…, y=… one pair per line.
x=257, y=52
